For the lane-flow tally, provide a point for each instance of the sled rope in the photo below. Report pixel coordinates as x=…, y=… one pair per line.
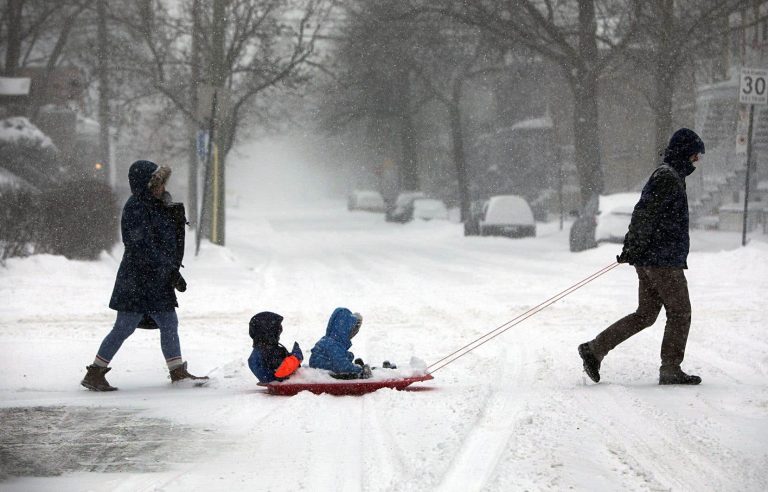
x=515, y=321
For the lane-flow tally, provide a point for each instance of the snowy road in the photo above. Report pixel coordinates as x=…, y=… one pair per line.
x=515, y=414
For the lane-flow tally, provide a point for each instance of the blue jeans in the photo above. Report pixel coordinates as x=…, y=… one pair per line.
x=126, y=324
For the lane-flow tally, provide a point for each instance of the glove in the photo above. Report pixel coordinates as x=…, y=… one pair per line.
x=178, y=281
x=297, y=351
x=625, y=257
x=359, y=362
x=366, y=373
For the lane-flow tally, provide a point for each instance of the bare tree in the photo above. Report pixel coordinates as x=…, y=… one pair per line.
x=675, y=33
x=246, y=46
x=375, y=81
x=448, y=57
x=571, y=34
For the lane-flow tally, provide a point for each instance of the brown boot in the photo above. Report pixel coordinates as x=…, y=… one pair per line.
x=94, y=379
x=180, y=374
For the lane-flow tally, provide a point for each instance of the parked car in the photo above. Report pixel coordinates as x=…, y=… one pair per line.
x=370, y=201
x=605, y=219
x=508, y=215
x=402, y=210
x=429, y=208
x=476, y=214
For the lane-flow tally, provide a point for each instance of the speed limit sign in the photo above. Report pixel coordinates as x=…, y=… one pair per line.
x=753, y=88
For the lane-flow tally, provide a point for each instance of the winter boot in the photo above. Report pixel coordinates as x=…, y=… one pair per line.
x=591, y=362
x=180, y=373
x=675, y=375
x=94, y=379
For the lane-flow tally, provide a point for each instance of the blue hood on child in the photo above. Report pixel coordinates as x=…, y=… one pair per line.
x=331, y=351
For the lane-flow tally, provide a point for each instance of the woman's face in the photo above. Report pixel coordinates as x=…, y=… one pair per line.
x=158, y=191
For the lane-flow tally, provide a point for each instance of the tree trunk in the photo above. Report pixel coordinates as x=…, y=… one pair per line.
x=665, y=72
x=13, y=27
x=409, y=172
x=586, y=138
x=585, y=110
x=409, y=168
x=459, y=159
x=103, y=75
x=217, y=76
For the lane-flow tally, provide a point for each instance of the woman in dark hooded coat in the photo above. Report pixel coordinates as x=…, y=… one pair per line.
x=148, y=273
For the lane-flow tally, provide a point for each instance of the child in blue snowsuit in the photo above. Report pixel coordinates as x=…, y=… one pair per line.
x=270, y=361
x=331, y=352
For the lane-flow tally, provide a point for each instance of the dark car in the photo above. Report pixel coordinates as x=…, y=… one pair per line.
x=402, y=210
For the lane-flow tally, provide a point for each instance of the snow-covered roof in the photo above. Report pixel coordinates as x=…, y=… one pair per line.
x=20, y=128
x=87, y=125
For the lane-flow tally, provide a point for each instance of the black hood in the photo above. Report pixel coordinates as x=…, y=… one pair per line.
x=138, y=177
x=265, y=329
x=683, y=144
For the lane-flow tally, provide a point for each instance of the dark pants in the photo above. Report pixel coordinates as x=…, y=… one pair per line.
x=658, y=287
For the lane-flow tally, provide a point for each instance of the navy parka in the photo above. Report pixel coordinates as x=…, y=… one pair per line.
x=144, y=282
x=658, y=232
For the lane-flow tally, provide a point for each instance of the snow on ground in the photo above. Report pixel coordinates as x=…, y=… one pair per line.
x=515, y=414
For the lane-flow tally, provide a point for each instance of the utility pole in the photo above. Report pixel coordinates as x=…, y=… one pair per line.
x=217, y=78
x=103, y=67
x=193, y=126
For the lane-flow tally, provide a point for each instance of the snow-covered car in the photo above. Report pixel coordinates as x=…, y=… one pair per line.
x=608, y=221
x=508, y=215
x=429, y=208
x=402, y=210
x=370, y=201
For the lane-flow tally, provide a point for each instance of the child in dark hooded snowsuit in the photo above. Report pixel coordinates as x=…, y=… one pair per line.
x=269, y=360
x=332, y=351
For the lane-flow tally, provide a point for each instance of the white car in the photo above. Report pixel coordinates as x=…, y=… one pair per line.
x=603, y=220
x=613, y=216
x=508, y=215
x=370, y=201
x=429, y=208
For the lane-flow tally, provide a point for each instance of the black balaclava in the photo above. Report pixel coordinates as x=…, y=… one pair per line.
x=683, y=144
x=265, y=329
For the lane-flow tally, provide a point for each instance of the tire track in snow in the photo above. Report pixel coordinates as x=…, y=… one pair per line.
x=657, y=445
x=383, y=466
x=481, y=451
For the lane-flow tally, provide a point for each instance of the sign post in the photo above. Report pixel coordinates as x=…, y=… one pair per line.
x=752, y=90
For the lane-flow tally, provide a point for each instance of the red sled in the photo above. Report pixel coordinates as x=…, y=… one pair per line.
x=355, y=387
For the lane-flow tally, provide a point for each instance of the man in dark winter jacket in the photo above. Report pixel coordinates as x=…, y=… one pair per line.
x=657, y=246
x=148, y=273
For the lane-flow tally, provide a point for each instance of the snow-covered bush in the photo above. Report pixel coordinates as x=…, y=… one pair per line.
x=19, y=221
x=45, y=207
x=79, y=219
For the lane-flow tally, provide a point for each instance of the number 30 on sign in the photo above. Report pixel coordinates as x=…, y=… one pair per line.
x=753, y=88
